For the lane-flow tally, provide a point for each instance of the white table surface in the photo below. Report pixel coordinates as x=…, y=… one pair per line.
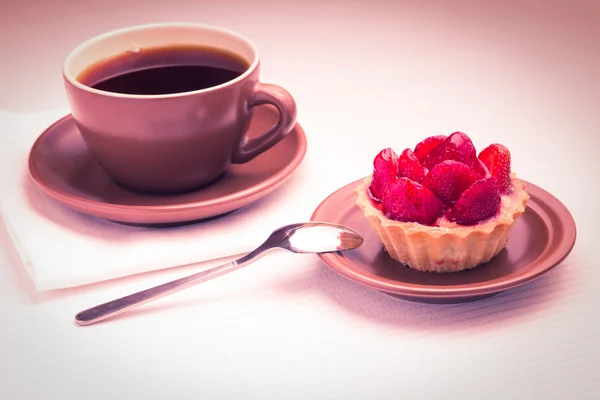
x=367, y=74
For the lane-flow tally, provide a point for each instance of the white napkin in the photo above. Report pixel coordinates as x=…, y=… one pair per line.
x=61, y=247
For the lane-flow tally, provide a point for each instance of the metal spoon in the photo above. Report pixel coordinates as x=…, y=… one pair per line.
x=308, y=237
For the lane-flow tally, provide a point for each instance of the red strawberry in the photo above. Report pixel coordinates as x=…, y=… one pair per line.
x=457, y=147
x=496, y=158
x=481, y=169
x=480, y=201
x=385, y=167
x=409, y=201
x=424, y=147
x=449, y=179
x=409, y=166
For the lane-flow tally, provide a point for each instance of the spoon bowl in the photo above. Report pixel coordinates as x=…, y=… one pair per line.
x=307, y=237
x=316, y=237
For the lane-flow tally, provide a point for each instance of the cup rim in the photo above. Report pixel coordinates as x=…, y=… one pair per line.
x=74, y=52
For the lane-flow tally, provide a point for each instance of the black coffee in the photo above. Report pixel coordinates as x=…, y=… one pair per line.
x=164, y=70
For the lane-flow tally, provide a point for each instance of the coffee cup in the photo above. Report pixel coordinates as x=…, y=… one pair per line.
x=166, y=107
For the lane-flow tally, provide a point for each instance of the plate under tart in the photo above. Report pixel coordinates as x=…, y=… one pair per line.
x=542, y=237
x=61, y=166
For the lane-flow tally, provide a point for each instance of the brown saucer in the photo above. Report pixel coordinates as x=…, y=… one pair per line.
x=541, y=239
x=61, y=165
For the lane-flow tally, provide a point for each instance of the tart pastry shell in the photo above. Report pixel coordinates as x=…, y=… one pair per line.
x=448, y=247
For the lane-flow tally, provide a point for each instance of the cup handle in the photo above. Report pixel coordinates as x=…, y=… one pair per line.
x=280, y=98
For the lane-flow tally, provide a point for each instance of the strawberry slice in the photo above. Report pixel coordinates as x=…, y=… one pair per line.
x=480, y=201
x=457, y=147
x=425, y=146
x=481, y=169
x=496, y=158
x=408, y=201
x=385, y=170
x=449, y=179
x=409, y=166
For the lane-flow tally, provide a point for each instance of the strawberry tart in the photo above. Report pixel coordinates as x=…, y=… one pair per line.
x=441, y=207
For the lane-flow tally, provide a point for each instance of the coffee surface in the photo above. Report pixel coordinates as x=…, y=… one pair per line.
x=164, y=70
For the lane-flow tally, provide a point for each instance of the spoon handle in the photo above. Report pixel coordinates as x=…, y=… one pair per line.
x=118, y=306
